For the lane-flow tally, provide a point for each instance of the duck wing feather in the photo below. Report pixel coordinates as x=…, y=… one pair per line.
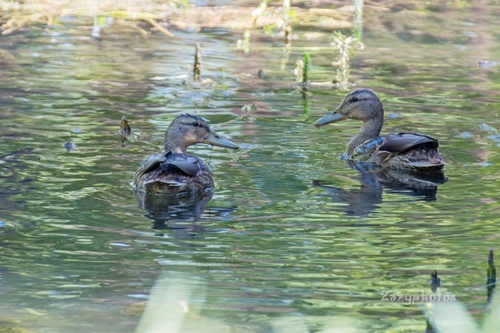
x=190, y=165
x=401, y=142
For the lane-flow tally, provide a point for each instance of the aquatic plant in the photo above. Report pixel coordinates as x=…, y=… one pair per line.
x=245, y=43
x=301, y=72
x=344, y=48
x=491, y=277
x=282, y=22
x=358, y=18
x=298, y=71
x=257, y=12
x=197, y=63
x=287, y=25
x=305, y=70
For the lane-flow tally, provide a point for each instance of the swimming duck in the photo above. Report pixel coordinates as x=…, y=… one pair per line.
x=402, y=150
x=173, y=170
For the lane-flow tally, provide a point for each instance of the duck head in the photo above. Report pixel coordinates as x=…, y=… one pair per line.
x=187, y=130
x=360, y=104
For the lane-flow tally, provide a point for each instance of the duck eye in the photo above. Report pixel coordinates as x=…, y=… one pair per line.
x=354, y=99
x=195, y=124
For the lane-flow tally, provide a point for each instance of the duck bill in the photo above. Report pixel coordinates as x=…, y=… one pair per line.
x=330, y=118
x=216, y=140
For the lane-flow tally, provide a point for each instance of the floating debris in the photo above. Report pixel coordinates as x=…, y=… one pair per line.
x=487, y=128
x=487, y=63
x=96, y=32
x=394, y=115
x=100, y=22
x=125, y=130
x=260, y=73
x=96, y=29
x=466, y=135
x=69, y=145
x=435, y=281
x=249, y=107
x=197, y=63
x=494, y=137
x=245, y=43
x=7, y=59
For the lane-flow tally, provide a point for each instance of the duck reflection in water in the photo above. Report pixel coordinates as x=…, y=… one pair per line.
x=375, y=179
x=171, y=211
x=182, y=215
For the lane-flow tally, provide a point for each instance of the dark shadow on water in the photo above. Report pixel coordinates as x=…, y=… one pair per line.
x=183, y=215
x=374, y=180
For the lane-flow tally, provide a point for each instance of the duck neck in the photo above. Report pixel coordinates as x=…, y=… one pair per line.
x=369, y=130
x=173, y=145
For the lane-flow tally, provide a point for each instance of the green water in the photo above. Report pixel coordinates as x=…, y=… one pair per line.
x=270, y=248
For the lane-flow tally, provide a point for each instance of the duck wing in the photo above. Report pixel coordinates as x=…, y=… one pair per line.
x=150, y=163
x=401, y=142
x=189, y=164
x=402, y=150
x=409, y=150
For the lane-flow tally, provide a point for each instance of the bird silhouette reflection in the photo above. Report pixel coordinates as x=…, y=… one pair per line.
x=375, y=180
x=183, y=215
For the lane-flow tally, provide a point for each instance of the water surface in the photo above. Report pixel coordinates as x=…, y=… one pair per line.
x=290, y=235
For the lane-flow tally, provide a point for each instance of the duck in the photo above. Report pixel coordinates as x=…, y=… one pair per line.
x=173, y=170
x=413, y=151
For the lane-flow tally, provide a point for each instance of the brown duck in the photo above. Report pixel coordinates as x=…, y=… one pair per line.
x=402, y=150
x=173, y=170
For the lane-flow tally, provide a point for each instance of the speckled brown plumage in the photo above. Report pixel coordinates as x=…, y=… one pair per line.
x=413, y=151
x=173, y=170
